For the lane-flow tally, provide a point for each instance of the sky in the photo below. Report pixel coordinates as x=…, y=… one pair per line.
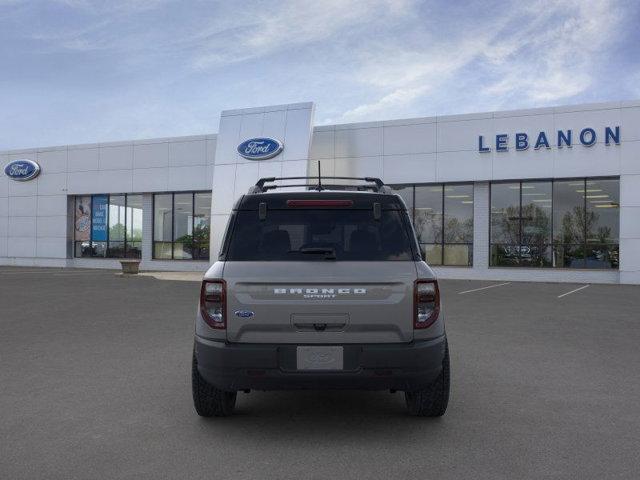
x=80, y=71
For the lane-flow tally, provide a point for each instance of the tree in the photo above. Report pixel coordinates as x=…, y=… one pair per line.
x=428, y=226
x=525, y=234
x=198, y=242
x=116, y=232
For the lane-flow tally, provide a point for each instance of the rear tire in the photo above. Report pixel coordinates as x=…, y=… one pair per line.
x=433, y=400
x=208, y=400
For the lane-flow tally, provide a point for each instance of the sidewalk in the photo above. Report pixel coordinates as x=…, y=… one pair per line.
x=175, y=276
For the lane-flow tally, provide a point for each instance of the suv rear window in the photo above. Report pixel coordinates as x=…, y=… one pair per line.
x=288, y=235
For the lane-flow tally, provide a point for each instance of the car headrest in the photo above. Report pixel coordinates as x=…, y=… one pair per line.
x=362, y=241
x=276, y=241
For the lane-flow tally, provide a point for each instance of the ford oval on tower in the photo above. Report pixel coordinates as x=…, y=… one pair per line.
x=260, y=148
x=22, y=170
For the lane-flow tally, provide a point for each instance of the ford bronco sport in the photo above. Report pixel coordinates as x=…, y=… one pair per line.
x=320, y=289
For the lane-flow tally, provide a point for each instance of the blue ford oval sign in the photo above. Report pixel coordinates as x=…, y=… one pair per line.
x=22, y=170
x=260, y=148
x=243, y=313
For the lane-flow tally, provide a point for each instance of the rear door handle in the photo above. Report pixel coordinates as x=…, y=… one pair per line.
x=319, y=322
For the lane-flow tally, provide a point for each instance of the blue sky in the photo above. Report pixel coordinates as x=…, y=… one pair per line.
x=77, y=71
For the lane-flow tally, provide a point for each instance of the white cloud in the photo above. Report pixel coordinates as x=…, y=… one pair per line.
x=406, y=76
x=397, y=98
x=288, y=24
x=112, y=6
x=556, y=63
x=160, y=68
x=544, y=52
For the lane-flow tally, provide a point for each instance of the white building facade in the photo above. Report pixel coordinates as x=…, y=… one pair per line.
x=549, y=194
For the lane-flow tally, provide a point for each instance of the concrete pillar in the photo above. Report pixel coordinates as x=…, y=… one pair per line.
x=629, y=229
x=481, y=217
x=147, y=226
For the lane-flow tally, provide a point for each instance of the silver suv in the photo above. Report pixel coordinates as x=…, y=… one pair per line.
x=320, y=288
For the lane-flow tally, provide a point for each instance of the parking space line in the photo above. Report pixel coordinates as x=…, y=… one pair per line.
x=71, y=274
x=33, y=272
x=483, y=288
x=573, y=291
x=56, y=273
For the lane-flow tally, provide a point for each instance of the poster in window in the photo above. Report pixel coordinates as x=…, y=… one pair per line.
x=99, y=220
x=83, y=219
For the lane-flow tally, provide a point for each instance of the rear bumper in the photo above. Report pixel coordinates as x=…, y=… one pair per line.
x=408, y=367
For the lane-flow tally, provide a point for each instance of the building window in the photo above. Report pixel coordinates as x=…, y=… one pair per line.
x=442, y=216
x=521, y=224
x=181, y=224
x=565, y=224
x=108, y=226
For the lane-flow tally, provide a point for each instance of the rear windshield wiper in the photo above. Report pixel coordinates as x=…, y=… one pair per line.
x=329, y=253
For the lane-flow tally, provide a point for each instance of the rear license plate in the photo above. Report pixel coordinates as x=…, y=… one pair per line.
x=319, y=358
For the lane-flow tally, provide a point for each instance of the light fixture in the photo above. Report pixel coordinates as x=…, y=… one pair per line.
x=597, y=196
x=457, y=196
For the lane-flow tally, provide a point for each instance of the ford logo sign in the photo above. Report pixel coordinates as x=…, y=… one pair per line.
x=260, y=148
x=22, y=170
x=243, y=313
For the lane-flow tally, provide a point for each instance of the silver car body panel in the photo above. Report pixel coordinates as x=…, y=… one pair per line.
x=319, y=302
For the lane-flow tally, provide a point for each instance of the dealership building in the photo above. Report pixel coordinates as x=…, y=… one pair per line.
x=547, y=194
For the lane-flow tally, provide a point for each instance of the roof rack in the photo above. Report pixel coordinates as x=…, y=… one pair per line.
x=371, y=183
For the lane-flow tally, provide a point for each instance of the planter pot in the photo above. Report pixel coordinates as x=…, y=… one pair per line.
x=130, y=266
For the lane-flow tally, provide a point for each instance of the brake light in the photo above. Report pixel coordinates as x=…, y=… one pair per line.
x=213, y=303
x=426, y=303
x=319, y=203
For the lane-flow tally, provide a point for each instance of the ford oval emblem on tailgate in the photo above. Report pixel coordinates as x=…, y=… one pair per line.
x=243, y=313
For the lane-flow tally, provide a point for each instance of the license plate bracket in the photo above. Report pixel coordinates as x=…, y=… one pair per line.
x=319, y=358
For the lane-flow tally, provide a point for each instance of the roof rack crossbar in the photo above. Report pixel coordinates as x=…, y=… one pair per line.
x=260, y=184
x=325, y=186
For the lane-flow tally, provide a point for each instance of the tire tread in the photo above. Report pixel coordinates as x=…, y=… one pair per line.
x=208, y=400
x=433, y=400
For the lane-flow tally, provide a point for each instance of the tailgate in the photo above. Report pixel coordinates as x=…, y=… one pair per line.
x=319, y=302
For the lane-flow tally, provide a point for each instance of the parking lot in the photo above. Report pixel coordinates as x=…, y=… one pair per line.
x=95, y=383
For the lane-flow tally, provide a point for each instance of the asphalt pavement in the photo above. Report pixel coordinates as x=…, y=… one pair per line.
x=95, y=383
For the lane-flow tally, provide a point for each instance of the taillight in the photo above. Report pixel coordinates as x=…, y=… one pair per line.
x=426, y=303
x=319, y=203
x=213, y=303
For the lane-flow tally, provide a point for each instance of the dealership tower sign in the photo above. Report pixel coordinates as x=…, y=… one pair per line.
x=564, y=138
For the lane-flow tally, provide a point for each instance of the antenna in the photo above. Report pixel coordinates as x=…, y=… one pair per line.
x=319, y=178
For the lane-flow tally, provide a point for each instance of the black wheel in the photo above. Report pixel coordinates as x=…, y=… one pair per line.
x=207, y=399
x=433, y=400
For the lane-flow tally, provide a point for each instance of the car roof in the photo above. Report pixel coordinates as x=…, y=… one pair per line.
x=360, y=199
